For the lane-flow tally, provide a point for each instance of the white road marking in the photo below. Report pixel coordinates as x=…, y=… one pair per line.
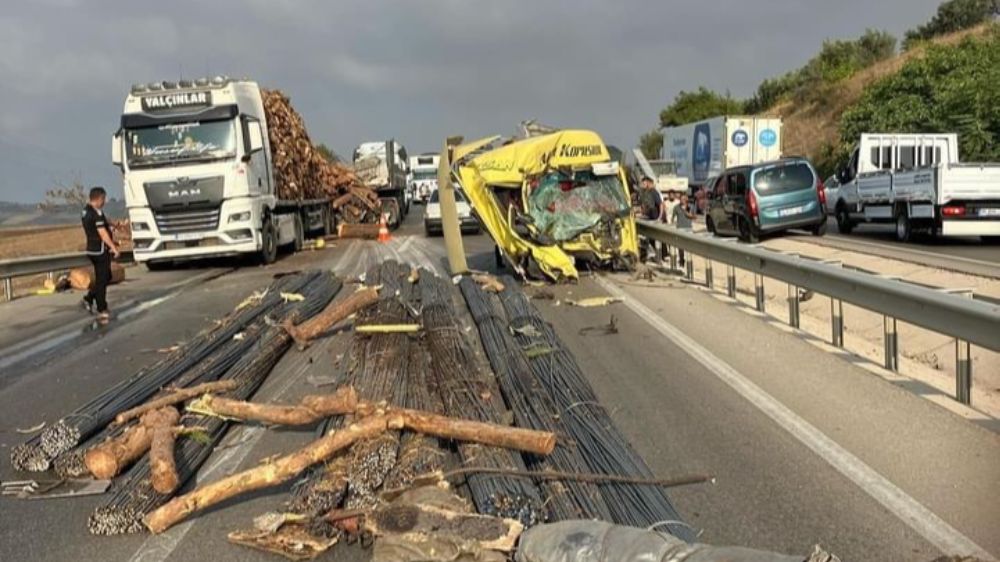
x=922, y=520
x=158, y=548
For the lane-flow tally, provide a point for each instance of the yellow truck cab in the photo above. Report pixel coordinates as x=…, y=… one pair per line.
x=551, y=201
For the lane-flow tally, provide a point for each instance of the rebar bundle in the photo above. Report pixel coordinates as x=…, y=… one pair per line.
x=603, y=447
x=382, y=379
x=469, y=391
x=533, y=408
x=37, y=454
x=133, y=495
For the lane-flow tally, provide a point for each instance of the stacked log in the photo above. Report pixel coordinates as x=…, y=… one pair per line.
x=302, y=172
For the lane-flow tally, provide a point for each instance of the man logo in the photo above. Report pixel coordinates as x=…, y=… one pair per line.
x=173, y=194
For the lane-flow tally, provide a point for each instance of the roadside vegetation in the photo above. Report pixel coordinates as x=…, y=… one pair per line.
x=943, y=80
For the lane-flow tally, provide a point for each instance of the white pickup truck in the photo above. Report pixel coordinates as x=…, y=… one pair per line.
x=916, y=182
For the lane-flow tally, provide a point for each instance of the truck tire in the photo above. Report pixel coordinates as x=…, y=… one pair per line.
x=844, y=223
x=159, y=265
x=328, y=222
x=268, y=252
x=300, y=234
x=904, y=228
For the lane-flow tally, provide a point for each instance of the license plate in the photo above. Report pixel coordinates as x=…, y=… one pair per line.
x=187, y=236
x=989, y=212
x=790, y=211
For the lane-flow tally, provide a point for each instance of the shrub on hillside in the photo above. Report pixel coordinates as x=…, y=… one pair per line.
x=951, y=16
x=950, y=89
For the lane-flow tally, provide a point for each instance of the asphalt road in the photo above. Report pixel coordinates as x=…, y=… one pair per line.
x=964, y=254
x=740, y=398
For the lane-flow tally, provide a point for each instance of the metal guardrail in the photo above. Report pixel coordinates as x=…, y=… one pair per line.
x=36, y=265
x=967, y=320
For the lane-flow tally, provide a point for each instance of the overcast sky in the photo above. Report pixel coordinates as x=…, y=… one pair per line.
x=414, y=70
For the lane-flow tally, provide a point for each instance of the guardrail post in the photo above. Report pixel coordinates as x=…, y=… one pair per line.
x=731, y=281
x=758, y=281
x=963, y=371
x=793, y=306
x=709, y=275
x=689, y=267
x=891, y=343
x=8, y=288
x=837, y=322
x=673, y=258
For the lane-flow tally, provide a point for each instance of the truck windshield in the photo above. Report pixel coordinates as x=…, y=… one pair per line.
x=425, y=175
x=180, y=142
x=564, y=206
x=783, y=178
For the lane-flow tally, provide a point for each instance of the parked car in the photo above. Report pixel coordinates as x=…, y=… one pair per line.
x=766, y=198
x=432, y=215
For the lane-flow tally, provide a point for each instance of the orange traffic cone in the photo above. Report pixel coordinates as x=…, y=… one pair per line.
x=383, y=231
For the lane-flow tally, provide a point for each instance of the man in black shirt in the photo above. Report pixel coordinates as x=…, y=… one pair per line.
x=100, y=249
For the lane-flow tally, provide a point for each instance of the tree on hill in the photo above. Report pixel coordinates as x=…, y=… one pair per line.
x=651, y=144
x=951, y=16
x=695, y=106
x=952, y=89
x=837, y=60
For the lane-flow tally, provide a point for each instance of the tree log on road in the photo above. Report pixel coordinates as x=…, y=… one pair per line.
x=108, y=459
x=310, y=410
x=175, y=397
x=288, y=467
x=162, y=467
x=334, y=313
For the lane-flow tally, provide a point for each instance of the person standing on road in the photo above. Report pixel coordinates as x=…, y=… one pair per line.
x=650, y=208
x=668, y=207
x=101, y=248
x=682, y=219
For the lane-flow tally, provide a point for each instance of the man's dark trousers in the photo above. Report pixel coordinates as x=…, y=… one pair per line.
x=98, y=293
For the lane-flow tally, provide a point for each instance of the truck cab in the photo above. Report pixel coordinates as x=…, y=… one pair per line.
x=424, y=172
x=197, y=177
x=916, y=182
x=384, y=167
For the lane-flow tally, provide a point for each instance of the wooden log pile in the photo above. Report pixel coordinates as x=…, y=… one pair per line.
x=302, y=172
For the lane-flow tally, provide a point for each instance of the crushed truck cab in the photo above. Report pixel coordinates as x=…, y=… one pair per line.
x=551, y=200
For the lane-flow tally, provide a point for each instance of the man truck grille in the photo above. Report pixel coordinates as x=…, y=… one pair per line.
x=173, y=222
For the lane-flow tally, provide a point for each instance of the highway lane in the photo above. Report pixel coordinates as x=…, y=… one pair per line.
x=772, y=491
x=967, y=255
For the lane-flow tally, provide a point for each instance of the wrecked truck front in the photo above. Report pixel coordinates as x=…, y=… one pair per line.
x=549, y=201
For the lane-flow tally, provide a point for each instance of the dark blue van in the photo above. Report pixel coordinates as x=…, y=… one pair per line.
x=766, y=198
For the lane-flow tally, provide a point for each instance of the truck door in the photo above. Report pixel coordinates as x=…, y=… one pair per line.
x=258, y=180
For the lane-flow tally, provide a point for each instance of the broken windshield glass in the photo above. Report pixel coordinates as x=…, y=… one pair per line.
x=564, y=206
x=170, y=142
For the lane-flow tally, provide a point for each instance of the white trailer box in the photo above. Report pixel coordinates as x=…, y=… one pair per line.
x=703, y=149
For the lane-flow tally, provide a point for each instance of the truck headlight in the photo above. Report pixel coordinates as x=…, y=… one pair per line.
x=240, y=217
x=140, y=227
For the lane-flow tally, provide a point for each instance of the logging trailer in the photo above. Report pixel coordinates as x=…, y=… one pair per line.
x=198, y=175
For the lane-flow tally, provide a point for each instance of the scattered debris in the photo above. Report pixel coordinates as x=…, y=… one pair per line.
x=30, y=430
x=603, y=330
x=292, y=297
x=387, y=328
x=591, y=302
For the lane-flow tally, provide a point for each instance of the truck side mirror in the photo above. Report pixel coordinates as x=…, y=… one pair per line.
x=256, y=137
x=116, y=149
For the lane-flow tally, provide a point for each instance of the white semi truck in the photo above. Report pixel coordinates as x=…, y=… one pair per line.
x=916, y=182
x=702, y=150
x=198, y=179
x=384, y=167
x=424, y=176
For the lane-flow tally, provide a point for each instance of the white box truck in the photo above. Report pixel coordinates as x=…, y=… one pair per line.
x=196, y=164
x=424, y=176
x=384, y=167
x=916, y=182
x=703, y=149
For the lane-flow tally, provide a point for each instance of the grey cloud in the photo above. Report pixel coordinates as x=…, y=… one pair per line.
x=415, y=70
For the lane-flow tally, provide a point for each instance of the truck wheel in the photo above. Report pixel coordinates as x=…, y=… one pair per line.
x=904, y=230
x=268, y=252
x=300, y=234
x=328, y=222
x=159, y=265
x=844, y=224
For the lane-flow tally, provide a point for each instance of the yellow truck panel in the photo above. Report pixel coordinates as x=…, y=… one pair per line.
x=548, y=201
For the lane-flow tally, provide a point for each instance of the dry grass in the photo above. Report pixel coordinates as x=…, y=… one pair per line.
x=39, y=241
x=810, y=126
